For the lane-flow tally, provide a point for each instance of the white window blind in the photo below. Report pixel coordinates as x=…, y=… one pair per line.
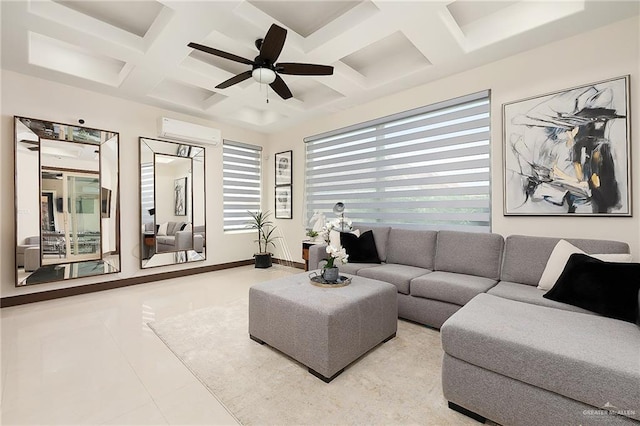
x=241, y=169
x=427, y=168
x=147, y=194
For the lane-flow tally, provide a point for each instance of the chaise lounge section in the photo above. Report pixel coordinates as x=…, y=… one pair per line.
x=510, y=354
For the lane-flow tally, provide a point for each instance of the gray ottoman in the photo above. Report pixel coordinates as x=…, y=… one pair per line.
x=325, y=329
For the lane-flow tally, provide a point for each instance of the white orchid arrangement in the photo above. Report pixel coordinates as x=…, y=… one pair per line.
x=335, y=254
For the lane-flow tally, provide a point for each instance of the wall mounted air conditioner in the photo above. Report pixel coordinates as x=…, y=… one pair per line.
x=170, y=128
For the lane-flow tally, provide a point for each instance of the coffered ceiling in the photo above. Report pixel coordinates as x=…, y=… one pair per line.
x=138, y=49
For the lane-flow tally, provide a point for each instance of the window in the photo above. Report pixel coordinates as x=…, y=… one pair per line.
x=241, y=170
x=427, y=168
x=146, y=194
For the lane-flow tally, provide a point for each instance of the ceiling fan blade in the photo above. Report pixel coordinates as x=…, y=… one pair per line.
x=273, y=43
x=234, y=80
x=220, y=53
x=280, y=87
x=294, y=68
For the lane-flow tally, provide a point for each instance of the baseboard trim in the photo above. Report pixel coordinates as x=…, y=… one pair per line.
x=23, y=299
x=291, y=263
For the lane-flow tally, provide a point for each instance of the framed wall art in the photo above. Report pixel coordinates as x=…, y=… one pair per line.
x=284, y=208
x=567, y=153
x=284, y=168
x=180, y=196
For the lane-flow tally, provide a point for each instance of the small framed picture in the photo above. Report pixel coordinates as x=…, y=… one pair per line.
x=284, y=168
x=184, y=151
x=284, y=209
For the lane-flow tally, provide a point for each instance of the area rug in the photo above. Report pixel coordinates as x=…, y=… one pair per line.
x=396, y=383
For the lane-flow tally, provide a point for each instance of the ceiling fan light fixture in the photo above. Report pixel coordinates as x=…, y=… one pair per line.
x=264, y=75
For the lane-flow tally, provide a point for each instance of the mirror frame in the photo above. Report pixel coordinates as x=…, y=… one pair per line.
x=63, y=271
x=151, y=148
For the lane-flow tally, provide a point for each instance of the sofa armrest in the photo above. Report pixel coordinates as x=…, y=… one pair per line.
x=198, y=243
x=184, y=240
x=317, y=252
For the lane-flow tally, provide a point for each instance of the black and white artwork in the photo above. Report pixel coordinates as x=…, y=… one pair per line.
x=283, y=202
x=180, y=196
x=567, y=153
x=284, y=168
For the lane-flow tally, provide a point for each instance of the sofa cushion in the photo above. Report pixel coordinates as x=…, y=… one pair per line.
x=450, y=287
x=354, y=268
x=380, y=235
x=588, y=358
x=530, y=294
x=173, y=227
x=166, y=239
x=162, y=229
x=335, y=237
x=526, y=257
x=361, y=249
x=469, y=253
x=398, y=275
x=608, y=288
x=556, y=263
x=412, y=247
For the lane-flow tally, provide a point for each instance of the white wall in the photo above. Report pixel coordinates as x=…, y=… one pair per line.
x=601, y=54
x=604, y=53
x=36, y=98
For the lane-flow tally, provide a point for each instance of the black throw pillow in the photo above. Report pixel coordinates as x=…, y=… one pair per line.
x=360, y=250
x=607, y=288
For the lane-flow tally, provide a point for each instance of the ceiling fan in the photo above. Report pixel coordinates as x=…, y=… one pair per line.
x=264, y=68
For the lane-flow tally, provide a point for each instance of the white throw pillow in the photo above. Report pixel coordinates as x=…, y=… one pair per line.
x=613, y=257
x=556, y=263
x=334, y=237
x=187, y=227
x=162, y=230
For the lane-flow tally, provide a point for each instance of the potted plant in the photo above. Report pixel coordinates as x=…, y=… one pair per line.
x=260, y=222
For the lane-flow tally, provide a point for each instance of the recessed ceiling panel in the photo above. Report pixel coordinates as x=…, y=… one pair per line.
x=312, y=92
x=60, y=56
x=305, y=17
x=256, y=116
x=466, y=12
x=185, y=94
x=135, y=17
x=224, y=64
x=387, y=59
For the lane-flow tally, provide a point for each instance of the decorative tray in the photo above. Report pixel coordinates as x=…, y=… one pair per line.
x=342, y=281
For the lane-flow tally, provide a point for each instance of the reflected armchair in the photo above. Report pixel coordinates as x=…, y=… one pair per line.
x=29, y=242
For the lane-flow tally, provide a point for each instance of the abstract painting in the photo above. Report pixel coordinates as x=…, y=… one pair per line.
x=567, y=153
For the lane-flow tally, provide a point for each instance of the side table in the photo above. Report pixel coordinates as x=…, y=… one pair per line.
x=305, y=252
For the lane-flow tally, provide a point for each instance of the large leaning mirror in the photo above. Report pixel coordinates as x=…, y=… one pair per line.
x=172, y=203
x=67, y=201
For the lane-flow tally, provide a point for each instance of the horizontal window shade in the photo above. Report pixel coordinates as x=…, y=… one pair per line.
x=241, y=176
x=427, y=168
x=147, y=194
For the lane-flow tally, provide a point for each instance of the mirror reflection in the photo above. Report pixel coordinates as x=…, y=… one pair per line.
x=172, y=195
x=67, y=219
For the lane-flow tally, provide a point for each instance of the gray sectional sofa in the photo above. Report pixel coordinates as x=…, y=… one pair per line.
x=177, y=239
x=510, y=355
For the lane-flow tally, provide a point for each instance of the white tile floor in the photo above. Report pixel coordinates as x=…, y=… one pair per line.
x=91, y=359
